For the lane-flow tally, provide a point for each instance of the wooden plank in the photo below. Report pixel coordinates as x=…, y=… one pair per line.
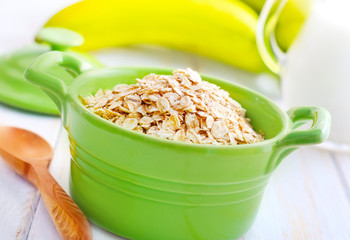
x=18, y=198
x=304, y=200
x=342, y=163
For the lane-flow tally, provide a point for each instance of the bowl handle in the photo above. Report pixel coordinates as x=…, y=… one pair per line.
x=317, y=133
x=53, y=72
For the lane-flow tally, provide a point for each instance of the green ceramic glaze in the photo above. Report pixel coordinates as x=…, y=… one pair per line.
x=59, y=38
x=143, y=187
x=15, y=90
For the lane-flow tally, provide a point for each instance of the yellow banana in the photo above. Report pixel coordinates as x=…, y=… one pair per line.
x=220, y=29
x=257, y=5
x=291, y=19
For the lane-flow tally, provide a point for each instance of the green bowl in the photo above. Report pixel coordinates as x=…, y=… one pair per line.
x=144, y=187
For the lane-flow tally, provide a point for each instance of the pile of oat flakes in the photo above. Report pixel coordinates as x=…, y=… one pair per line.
x=179, y=107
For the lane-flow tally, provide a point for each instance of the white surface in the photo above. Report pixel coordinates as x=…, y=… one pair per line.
x=308, y=196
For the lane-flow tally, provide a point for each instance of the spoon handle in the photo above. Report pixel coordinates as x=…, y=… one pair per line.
x=69, y=220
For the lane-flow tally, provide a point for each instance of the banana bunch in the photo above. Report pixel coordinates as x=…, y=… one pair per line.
x=292, y=17
x=220, y=29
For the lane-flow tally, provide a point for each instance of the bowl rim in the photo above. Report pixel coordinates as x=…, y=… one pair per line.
x=73, y=94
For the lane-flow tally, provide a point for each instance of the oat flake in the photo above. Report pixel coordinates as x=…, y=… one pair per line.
x=180, y=107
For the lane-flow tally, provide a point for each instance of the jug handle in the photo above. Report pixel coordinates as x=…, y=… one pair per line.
x=317, y=133
x=49, y=72
x=270, y=52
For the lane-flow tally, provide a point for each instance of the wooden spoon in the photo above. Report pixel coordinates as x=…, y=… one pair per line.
x=29, y=155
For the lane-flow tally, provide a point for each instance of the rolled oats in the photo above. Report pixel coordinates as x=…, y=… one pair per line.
x=219, y=130
x=180, y=107
x=130, y=123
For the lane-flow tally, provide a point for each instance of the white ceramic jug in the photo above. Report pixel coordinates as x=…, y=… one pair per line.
x=316, y=68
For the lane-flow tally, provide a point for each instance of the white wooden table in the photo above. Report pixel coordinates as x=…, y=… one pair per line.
x=308, y=196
